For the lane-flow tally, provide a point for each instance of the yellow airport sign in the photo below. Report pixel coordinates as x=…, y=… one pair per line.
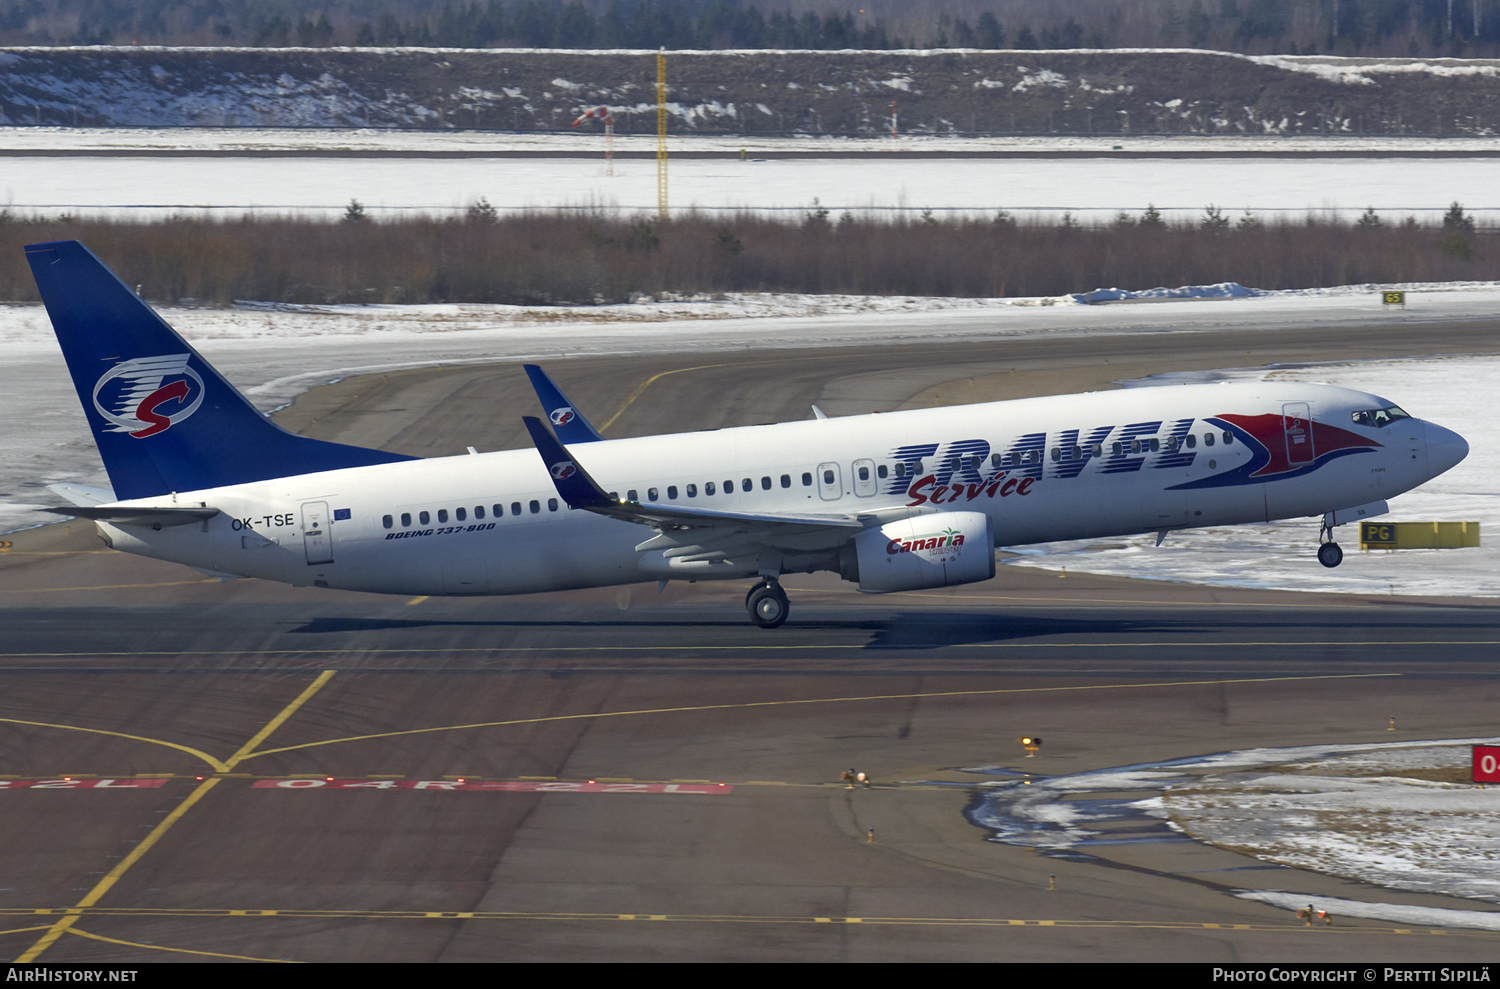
x=1393, y=299
x=1418, y=535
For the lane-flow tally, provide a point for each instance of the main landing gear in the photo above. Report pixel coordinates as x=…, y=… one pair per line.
x=1329, y=553
x=767, y=603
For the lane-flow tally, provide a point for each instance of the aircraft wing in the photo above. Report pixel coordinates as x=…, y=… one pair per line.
x=570, y=424
x=795, y=529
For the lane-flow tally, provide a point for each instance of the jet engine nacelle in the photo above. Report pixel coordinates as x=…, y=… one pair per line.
x=924, y=551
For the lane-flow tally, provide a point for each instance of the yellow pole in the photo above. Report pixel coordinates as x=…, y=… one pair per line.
x=661, y=134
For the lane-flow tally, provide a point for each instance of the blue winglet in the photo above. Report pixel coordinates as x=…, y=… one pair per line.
x=570, y=424
x=573, y=483
x=163, y=418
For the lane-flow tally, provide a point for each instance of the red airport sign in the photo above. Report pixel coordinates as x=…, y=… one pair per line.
x=506, y=786
x=69, y=783
x=1487, y=764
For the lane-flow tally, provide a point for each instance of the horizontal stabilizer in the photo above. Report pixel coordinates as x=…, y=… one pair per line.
x=159, y=518
x=83, y=494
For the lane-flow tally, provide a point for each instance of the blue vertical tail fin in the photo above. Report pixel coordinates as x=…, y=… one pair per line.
x=163, y=418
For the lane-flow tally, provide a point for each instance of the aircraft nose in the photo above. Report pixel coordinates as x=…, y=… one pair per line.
x=1445, y=448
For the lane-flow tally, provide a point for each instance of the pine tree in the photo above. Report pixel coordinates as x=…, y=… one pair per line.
x=1457, y=219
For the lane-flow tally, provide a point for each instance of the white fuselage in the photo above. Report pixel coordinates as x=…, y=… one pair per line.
x=451, y=525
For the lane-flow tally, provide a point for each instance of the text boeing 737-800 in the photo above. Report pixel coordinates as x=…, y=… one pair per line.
x=893, y=502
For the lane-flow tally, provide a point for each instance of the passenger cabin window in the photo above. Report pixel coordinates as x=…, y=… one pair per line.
x=652, y=494
x=551, y=504
x=864, y=473
x=881, y=472
x=386, y=521
x=828, y=477
x=671, y=492
x=424, y=518
x=1228, y=437
x=747, y=485
x=442, y=515
x=708, y=488
x=786, y=480
x=692, y=490
x=1208, y=439
x=1098, y=449
x=1192, y=441
x=765, y=483
x=1056, y=454
x=459, y=514
x=515, y=508
x=631, y=496
x=806, y=479
x=535, y=507
x=479, y=511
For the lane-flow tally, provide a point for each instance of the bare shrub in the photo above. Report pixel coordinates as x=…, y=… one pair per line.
x=545, y=258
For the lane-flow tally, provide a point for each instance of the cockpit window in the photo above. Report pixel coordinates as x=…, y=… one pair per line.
x=1379, y=418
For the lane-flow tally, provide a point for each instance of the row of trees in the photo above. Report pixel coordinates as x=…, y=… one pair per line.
x=1383, y=27
x=542, y=259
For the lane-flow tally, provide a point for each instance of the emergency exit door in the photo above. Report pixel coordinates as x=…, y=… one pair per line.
x=316, y=539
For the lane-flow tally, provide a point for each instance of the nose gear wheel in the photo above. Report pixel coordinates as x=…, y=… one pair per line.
x=1329, y=553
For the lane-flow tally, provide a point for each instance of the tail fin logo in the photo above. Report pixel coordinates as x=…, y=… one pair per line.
x=134, y=396
x=564, y=470
x=562, y=416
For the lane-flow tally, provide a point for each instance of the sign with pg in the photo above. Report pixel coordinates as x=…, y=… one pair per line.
x=1487, y=764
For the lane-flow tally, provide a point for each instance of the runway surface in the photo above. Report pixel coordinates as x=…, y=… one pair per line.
x=331, y=730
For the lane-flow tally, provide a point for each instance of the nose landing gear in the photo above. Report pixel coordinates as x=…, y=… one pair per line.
x=767, y=604
x=1329, y=553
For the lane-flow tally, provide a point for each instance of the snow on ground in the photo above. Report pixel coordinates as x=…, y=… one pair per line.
x=73, y=140
x=1411, y=823
x=1092, y=189
x=1451, y=391
x=1397, y=814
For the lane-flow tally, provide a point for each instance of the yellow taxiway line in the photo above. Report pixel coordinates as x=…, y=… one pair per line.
x=814, y=700
x=104, y=885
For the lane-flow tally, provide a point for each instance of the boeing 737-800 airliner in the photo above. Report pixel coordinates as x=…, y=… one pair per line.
x=892, y=502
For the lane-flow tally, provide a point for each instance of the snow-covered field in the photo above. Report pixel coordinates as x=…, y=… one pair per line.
x=1092, y=189
x=73, y=140
x=274, y=353
x=1400, y=815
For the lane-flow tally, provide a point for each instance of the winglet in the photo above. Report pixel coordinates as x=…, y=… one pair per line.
x=570, y=424
x=573, y=483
